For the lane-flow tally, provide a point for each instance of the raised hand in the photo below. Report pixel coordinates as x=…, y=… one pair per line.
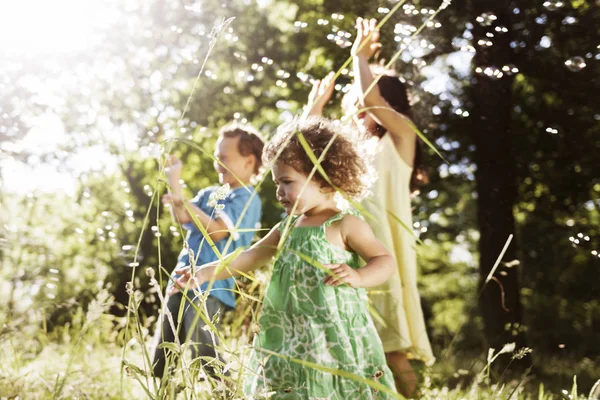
x=343, y=274
x=320, y=94
x=172, y=199
x=173, y=165
x=367, y=38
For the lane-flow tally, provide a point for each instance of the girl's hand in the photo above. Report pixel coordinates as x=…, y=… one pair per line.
x=172, y=199
x=367, y=38
x=185, y=276
x=343, y=274
x=173, y=166
x=320, y=94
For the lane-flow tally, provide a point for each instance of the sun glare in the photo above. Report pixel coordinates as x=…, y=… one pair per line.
x=39, y=27
x=48, y=33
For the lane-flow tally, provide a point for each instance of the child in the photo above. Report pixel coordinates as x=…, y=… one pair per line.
x=315, y=308
x=239, y=152
x=389, y=118
x=400, y=172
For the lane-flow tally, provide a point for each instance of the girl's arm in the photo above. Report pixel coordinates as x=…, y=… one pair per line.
x=398, y=125
x=255, y=257
x=359, y=237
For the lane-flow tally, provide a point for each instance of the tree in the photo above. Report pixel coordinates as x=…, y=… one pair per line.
x=491, y=95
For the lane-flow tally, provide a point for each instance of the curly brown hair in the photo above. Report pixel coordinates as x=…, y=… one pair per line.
x=251, y=141
x=342, y=164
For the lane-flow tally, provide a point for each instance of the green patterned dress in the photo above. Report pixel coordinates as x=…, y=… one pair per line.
x=304, y=319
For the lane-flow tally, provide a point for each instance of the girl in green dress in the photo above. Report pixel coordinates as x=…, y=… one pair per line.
x=316, y=339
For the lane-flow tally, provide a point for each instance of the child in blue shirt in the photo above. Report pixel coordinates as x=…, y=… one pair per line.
x=219, y=210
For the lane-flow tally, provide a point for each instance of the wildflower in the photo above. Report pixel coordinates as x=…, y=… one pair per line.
x=150, y=272
x=191, y=256
x=129, y=288
x=212, y=199
x=219, y=194
x=98, y=306
x=522, y=353
x=445, y=4
x=222, y=192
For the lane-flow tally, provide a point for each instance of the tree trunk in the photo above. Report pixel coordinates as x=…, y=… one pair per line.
x=496, y=176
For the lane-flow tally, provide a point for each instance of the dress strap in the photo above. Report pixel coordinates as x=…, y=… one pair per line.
x=292, y=220
x=340, y=215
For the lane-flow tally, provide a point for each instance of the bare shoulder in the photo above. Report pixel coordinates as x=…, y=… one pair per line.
x=351, y=224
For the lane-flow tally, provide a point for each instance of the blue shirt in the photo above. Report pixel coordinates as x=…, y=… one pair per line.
x=233, y=205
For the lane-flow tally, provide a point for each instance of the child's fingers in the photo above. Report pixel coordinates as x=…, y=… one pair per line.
x=172, y=290
x=341, y=281
x=183, y=281
x=376, y=35
x=331, y=281
x=322, y=85
x=339, y=276
x=338, y=268
x=365, y=27
x=359, y=23
x=314, y=90
x=329, y=78
x=168, y=199
x=373, y=24
x=182, y=271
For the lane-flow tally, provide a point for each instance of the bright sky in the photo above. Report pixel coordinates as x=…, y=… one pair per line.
x=43, y=30
x=37, y=27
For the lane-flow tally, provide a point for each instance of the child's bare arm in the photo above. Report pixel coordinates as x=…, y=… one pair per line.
x=255, y=257
x=398, y=125
x=183, y=209
x=173, y=167
x=174, y=197
x=319, y=96
x=359, y=237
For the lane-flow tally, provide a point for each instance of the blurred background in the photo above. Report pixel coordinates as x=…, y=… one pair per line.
x=93, y=93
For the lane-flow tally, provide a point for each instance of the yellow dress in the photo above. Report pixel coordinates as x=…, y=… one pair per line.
x=397, y=301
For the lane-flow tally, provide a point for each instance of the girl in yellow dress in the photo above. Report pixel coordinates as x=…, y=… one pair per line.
x=398, y=165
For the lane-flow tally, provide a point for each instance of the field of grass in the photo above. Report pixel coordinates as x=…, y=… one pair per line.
x=88, y=359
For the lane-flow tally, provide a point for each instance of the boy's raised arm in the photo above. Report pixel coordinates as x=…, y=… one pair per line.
x=180, y=206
